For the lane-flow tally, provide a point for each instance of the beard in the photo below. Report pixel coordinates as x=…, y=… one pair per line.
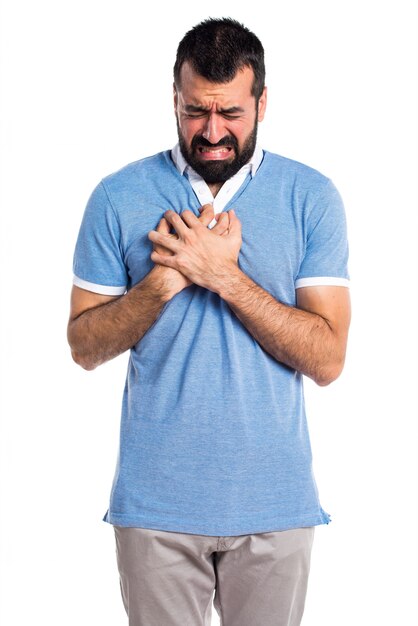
x=216, y=171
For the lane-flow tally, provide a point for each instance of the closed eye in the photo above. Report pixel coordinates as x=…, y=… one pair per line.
x=195, y=116
x=228, y=116
x=196, y=112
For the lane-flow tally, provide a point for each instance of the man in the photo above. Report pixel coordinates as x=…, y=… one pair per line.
x=222, y=267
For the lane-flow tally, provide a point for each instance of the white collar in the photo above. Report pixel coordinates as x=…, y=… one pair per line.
x=182, y=165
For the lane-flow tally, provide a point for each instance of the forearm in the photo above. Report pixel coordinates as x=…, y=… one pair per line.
x=102, y=333
x=300, y=339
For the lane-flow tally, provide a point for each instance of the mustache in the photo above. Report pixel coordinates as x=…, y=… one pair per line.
x=228, y=140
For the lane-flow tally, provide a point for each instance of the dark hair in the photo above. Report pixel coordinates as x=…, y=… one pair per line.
x=217, y=48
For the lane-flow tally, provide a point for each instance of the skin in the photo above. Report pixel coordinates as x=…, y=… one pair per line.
x=214, y=111
x=310, y=338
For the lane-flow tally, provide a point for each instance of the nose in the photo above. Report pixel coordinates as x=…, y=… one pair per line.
x=214, y=129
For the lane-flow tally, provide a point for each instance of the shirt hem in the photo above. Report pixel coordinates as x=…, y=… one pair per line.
x=217, y=528
x=317, y=281
x=104, y=290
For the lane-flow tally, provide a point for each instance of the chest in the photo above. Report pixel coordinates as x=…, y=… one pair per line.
x=273, y=237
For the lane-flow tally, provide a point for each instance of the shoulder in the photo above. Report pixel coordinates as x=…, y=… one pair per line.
x=294, y=172
x=141, y=169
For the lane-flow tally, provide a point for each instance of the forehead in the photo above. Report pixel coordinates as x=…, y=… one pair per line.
x=195, y=89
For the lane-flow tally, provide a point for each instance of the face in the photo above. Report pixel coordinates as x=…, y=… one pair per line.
x=217, y=123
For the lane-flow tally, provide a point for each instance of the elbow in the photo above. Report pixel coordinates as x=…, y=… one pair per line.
x=83, y=361
x=79, y=355
x=325, y=380
x=329, y=374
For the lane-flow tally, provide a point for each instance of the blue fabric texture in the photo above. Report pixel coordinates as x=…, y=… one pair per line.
x=214, y=437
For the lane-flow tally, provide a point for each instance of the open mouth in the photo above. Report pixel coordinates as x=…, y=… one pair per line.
x=215, y=154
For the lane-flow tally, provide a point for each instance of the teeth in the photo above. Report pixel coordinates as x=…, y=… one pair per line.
x=215, y=150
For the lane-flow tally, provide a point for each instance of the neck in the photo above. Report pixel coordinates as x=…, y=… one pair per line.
x=214, y=188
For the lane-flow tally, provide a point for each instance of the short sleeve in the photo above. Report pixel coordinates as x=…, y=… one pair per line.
x=326, y=256
x=98, y=261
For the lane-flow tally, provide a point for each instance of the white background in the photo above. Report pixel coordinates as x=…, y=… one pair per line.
x=87, y=89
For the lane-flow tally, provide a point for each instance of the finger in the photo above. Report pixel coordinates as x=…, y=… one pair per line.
x=167, y=241
x=222, y=224
x=206, y=214
x=190, y=218
x=206, y=207
x=163, y=226
x=162, y=259
x=234, y=222
x=162, y=250
x=164, y=229
x=177, y=222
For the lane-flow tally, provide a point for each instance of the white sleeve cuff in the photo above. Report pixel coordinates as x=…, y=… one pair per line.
x=316, y=281
x=102, y=289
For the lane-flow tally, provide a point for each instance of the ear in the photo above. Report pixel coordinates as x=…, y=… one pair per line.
x=262, y=103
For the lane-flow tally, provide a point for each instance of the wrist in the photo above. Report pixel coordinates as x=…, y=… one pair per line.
x=230, y=283
x=157, y=279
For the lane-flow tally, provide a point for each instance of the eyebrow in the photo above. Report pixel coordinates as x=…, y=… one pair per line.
x=191, y=108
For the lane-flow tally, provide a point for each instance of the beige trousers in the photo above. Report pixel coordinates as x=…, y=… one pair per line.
x=169, y=578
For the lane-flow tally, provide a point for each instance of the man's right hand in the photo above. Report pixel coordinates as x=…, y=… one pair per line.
x=173, y=280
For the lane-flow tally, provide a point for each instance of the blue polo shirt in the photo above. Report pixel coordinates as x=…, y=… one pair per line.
x=214, y=437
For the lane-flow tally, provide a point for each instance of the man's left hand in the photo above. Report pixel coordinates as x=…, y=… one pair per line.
x=203, y=256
